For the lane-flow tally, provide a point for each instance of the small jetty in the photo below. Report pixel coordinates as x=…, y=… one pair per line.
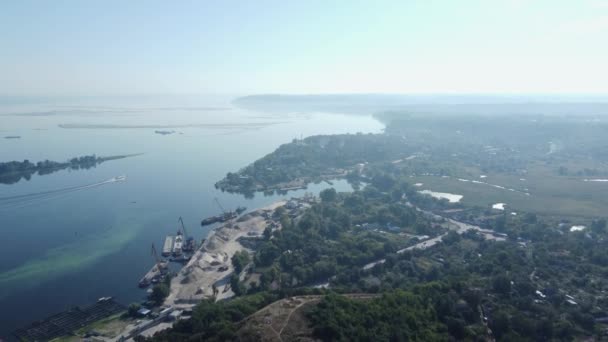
x=219, y=218
x=156, y=273
x=225, y=216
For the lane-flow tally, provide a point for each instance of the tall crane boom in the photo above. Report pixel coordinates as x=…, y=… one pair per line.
x=190, y=244
x=158, y=261
x=219, y=205
x=183, y=227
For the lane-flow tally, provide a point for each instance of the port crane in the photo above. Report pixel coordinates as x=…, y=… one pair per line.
x=159, y=263
x=183, y=227
x=220, y=205
x=190, y=244
x=157, y=272
x=225, y=216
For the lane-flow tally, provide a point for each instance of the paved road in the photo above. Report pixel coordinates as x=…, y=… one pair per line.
x=452, y=225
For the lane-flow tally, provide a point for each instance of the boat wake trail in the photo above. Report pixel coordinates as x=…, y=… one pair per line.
x=11, y=202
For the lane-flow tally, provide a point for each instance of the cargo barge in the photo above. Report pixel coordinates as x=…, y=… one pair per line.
x=155, y=274
x=229, y=215
x=178, y=248
x=168, y=246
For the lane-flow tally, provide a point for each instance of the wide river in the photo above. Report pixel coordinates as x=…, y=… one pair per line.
x=62, y=248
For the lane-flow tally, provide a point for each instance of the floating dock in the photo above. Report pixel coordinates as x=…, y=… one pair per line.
x=219, y=218
x=168, y=246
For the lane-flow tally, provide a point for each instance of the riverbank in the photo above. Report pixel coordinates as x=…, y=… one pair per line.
x=210, y=267
x=161, y=186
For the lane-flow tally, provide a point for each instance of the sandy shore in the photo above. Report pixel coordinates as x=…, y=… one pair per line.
x=211, y=264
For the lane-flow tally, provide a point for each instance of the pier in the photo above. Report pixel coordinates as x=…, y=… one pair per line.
x=155, y=274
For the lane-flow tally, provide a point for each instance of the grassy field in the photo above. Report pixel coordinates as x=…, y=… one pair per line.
x=108, y=327
x=549, y=193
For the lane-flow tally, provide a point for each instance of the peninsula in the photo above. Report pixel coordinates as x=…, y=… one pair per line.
x=13, y=171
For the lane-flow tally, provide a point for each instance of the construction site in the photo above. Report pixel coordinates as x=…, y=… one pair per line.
x=207, y=273
x=178, y=248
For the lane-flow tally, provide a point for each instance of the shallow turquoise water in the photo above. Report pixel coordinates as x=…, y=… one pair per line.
x=72, y=248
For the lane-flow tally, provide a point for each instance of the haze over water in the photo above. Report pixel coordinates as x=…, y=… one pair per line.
x=72, y=247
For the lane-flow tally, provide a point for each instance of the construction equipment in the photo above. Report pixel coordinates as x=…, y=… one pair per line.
x=190, y=244
x=157, y=272
x=183, y=226
x=159, y=262
x=225, y=216
x=178, y=244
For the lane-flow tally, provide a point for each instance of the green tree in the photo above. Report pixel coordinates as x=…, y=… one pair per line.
x=599, y=226
x=133, y=308
x=280, y=211
x=500, y=223
x=236, y=285
x=240, y=259
x=328, y=195
x=500, y=324
x=267, y=254
x=267, y=233
x=502, y=284
x=159, y=293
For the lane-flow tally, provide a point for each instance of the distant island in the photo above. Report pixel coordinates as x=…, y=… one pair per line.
x=13, y=171
x=440, y=104
x=164, y=132
x=12, y=137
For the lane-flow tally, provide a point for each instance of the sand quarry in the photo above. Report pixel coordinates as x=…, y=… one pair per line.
x=211, y=264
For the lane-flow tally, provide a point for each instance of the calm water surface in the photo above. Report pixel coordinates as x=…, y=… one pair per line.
x=70, y=248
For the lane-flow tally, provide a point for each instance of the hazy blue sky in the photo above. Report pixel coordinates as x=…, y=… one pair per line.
x=134, y=47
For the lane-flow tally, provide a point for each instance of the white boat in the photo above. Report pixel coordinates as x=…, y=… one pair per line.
x=117, y=179
x=177, y=244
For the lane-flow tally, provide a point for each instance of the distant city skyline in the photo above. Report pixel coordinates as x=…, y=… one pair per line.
x=72, y=48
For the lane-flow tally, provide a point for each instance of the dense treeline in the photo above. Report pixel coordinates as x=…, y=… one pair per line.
x=396, y=316
x=13, y=171
x=439, y=145
x=549, y=287
x=540, y=282
x=215, y=321
x=543, y=283
x=311, y=159
x=529, y=135
x=332, y=236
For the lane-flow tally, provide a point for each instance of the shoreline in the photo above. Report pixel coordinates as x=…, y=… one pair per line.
x=295, y=184
x=211, y=265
